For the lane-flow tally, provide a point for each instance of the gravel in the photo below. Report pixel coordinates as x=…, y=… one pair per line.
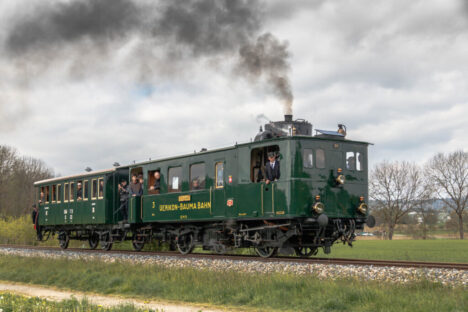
x=450, y=277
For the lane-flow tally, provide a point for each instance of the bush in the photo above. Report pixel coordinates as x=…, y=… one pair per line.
x=18, y=231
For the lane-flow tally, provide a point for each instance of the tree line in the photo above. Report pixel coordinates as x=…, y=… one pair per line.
x=399, y=188
x=17, y=176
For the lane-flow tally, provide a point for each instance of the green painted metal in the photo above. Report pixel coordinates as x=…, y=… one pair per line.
x=293, y=195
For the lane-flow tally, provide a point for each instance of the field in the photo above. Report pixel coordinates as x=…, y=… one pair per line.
x=13, y=303
x=279, y=292
x=412, y=250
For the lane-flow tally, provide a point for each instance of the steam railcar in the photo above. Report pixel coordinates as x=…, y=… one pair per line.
x=320, y=197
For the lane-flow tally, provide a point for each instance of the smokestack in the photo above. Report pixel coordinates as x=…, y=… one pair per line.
x=288, y=118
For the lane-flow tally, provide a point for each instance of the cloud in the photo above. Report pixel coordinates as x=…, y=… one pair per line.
x=392, y=72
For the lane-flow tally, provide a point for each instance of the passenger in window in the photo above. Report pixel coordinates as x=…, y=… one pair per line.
x=351, y=163
x=135, y=187
x=195, y=184
x=79, y=192
x=41, y=200
x=141, y=180
x=101, y=187
x=156, y=187
x=123, y=193
x=272, y=168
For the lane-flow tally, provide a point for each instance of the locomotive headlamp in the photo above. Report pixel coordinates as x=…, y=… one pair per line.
x=362, y=208
x=340, y=179
x=318, y=207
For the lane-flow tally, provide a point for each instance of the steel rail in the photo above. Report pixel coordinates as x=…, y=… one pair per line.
x=311, y=260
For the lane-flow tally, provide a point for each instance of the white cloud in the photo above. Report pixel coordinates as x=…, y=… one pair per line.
x=394, y=72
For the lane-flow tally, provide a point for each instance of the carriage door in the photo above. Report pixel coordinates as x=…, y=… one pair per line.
x=218, y=190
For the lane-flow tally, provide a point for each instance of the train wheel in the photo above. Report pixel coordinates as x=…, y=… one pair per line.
x=106, y=243
x=93, y=241
x=64, y=240
x=266, y=252
x=305, y=252
x=185, y=243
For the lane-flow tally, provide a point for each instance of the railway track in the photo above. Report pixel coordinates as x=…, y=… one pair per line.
x=335, y=261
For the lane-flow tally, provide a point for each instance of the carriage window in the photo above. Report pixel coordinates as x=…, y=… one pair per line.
x=152, y=187
x=320, y=158
x=350, y=161
x=93, y=189
x=101, y=188
x=219, y=168
x=174, y=179
x=197, y=176
x=79, y=190
x=54, y=193
x=358, y=161
x=72, y=191
x=66, y=192
x=47, y=199
x=308, y=158
x=85, y=189
x=59, y=192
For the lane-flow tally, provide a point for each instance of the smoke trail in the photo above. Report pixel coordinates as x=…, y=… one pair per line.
x=180, y=31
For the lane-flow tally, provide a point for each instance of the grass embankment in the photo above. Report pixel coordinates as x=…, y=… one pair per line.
x=410, y=250
x=14, y=303
x=280, y=292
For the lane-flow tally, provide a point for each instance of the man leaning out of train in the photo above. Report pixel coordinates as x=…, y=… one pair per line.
x=272, y=168
x=136, y=189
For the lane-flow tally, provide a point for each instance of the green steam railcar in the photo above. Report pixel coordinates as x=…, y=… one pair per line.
x=219, y=200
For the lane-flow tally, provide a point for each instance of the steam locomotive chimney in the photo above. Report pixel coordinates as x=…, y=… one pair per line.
x=288, y=118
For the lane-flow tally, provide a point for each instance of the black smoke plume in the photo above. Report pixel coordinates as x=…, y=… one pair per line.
x=180, y=31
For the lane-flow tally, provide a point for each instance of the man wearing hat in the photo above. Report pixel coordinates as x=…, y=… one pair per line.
x=272, y=168
x=35, y=221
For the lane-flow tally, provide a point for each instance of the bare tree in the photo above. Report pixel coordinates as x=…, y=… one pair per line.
x=449, y=175
x=17, y=175
x=395, y=188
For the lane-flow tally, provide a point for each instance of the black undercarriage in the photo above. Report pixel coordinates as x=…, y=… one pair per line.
x=303, y=236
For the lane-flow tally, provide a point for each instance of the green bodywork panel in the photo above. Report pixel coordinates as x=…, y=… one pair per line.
x=293, y=195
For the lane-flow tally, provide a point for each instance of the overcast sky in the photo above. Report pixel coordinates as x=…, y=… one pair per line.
x=395, y=72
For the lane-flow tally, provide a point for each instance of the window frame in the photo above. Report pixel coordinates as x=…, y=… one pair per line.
x=92, y=189
x=216, y=174
x=59, y=191
x=304, y=160
x=169, y=185
x=71, y=196
x=359, y=161
x=85, y=187
x=99, y=187
x=46, y=195
x=202, y=187
x=346, y=160
x=317, y=158
x=54, y=193
x=66, y=192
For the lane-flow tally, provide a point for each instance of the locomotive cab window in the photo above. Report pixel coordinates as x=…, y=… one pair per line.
x=219, y=175
x=320, y=158
x=197, y=176
x=308, y=158
x=94, y=189
x=100, y=188
x=174, y=178
x=258, y=160
x=359, y=161
x=350, y=161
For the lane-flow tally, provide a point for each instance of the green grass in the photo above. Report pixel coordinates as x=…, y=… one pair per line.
x=445, y=250
x=14, y=303
x=280, y=292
